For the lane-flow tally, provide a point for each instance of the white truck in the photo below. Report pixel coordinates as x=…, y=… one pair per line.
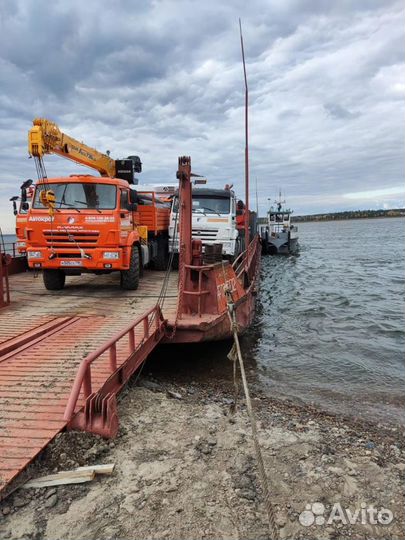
x=215, y=220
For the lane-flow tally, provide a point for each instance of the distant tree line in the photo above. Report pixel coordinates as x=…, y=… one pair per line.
x=352, y=214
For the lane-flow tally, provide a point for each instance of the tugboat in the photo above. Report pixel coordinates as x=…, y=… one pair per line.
x=278, y=235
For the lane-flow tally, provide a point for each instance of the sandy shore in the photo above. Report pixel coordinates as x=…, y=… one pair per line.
x=185, y=469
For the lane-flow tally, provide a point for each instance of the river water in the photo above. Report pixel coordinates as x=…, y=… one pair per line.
x=329, y=327
x=330, y=323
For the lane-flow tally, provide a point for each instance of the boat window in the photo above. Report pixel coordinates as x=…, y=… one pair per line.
x=80, y=195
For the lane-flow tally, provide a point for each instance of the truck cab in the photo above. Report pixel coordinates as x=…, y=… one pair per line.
x=214, y=220
x=96, y=226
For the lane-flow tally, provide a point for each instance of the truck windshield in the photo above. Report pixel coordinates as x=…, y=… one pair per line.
x=79, y=195
x=207, y=205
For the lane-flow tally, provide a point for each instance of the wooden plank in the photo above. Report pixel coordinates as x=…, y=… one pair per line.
x=77, y=476
x=108, y=468
x=60, y=479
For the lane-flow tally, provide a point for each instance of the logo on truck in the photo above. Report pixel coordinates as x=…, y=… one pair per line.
x=39, y=218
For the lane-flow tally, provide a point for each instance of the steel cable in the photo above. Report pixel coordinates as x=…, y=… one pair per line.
x=236, y=351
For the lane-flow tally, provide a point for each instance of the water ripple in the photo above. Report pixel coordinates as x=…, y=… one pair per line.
x=330, y=325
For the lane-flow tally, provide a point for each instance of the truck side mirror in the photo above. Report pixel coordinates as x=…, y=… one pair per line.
x=14, y=201
x=28, y=183
x=25, y=206
x=132, y=207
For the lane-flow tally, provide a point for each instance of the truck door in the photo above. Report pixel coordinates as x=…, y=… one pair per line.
x=125, y=215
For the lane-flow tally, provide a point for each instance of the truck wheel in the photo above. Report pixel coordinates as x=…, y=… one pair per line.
x=162, y=257
x=54, y=280
x=130, y=277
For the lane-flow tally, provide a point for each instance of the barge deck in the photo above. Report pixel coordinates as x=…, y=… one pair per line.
x=44, y=337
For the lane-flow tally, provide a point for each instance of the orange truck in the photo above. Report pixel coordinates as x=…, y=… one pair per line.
x=83, y=223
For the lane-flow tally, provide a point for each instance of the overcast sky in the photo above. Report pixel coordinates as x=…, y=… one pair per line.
x=164, y=78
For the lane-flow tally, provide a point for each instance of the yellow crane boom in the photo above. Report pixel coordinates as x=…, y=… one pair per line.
x=45, y=137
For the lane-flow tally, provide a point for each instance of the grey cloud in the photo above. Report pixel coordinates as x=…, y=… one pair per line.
x=337, y=111
x=165, y=78
x=288, y=114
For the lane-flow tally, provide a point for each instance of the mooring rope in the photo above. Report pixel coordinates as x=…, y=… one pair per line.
x=236, y=352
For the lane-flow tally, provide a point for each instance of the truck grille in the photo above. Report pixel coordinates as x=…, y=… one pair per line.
x=204, y=234
x=85, y=239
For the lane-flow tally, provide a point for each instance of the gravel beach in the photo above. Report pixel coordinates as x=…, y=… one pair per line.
x=186, y=469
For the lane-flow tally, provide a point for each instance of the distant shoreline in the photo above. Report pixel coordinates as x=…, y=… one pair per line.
x=357, y=214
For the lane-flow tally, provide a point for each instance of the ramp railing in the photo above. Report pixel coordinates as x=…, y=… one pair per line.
x=4, y=283
x=100, y=408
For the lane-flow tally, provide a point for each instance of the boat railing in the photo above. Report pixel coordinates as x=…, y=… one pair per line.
x=200, y=292
x=277, y=226
x=10, y=248
x=4, y=282
x=239, y=263
x=195, y=284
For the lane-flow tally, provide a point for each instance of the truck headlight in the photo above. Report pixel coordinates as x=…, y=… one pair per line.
x=111, y=255
x=34, y=255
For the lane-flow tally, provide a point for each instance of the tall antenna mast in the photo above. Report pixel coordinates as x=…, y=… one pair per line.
x=257, y=201
x=246, y=150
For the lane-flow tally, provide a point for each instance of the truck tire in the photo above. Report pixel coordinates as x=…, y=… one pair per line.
x=54, y=280
x=130, y=277
x=162, y=258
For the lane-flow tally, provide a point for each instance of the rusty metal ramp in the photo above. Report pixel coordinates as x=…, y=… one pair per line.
x=63, y=359
x=37, y=369
x=46, y=384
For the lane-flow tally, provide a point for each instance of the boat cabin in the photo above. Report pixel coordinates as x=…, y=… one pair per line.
x=279, y=220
